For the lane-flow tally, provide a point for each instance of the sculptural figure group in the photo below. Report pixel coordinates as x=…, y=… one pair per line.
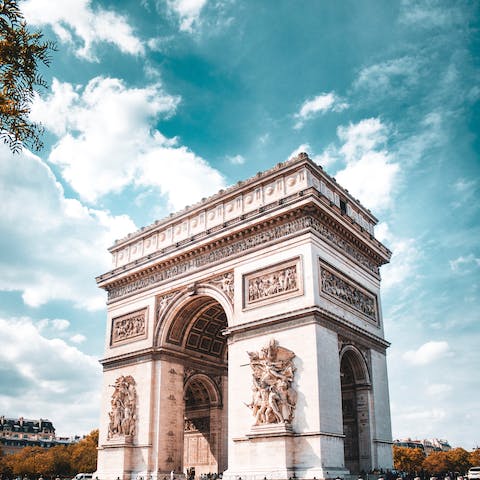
x=124, y=404
x=273, y=283
x=274, y=399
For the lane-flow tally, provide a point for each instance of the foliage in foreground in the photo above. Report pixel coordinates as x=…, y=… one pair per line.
x=21, y=54
x=413, y=461
x=59, y=460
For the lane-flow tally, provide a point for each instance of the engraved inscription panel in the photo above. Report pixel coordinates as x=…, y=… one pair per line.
x=283, y=279
x=129, y=327
x=348, y=293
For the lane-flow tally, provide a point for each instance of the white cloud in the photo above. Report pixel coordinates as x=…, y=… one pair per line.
x=60, y=324
x=236, y=160
x=78, y=338
x=427, y=353
x=52, y=246
x=188, y=12
x=370, y=171
x=303, y=148
x=463, y=264
x=397, y=73
x=430, y=14
x=107, y=142
x=320, y=104
x=78, y=20
x=362, y=137
x=68, y=393
x=325, y=159
x=404, y=261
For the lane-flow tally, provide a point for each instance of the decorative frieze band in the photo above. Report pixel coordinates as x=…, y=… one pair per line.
x=294, y=226
x=129, y=327
x=347, y=292
x=280, y=280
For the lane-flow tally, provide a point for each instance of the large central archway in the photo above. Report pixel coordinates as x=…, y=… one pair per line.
x=194, y=329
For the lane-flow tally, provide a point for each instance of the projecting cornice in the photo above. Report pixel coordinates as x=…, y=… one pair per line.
x=302, y=213
x=239, y=202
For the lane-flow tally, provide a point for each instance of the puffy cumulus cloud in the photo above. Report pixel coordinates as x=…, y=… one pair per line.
x=320, y=104
x=369, y=171
x=60, y=324
x=236, y=159
x=78, y=338
x=52, y=246
x=106, y=142
x=77, y=21
x=324, y=159
x=56, y=324
x=188, y=12
x=70, y=390
x=361, y=138
x=404, y=261
x=427, y=353
x=303, y=148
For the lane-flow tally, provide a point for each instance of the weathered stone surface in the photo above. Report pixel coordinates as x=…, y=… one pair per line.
x=251, y=329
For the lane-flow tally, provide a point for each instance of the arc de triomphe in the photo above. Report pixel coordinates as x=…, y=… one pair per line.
x=245, y=336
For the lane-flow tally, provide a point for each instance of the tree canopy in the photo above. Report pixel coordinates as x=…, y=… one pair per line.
x=413, y=460
x=475, y=458
x=22, y=52
x=408, y=460
x=59, y=460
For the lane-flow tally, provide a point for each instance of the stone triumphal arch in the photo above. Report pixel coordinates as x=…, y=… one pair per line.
x=245, y=336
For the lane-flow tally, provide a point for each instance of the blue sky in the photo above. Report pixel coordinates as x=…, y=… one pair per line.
x=155, y=104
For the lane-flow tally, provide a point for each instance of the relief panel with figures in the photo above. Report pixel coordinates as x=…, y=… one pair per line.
x=281, y=280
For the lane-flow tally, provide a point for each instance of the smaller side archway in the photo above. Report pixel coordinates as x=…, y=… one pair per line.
x=356, y=409
x=205, y=427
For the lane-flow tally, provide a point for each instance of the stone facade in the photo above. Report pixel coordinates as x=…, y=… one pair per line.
x=245, y=336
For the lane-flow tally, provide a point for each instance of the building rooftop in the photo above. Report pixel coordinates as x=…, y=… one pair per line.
x=25, y=425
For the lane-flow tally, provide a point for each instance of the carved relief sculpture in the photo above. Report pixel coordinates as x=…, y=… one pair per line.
x=348, y=293
x=201, y=424
x=272, y=282
x=274, y=399
x=239, y=247
x=161, y=304
x=129, y=327
x=225, y=283
x=123, y=417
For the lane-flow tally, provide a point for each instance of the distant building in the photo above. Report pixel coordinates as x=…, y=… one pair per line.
x=443, y=445
x=409, y=443
x=18, y=433
x=427, y=446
